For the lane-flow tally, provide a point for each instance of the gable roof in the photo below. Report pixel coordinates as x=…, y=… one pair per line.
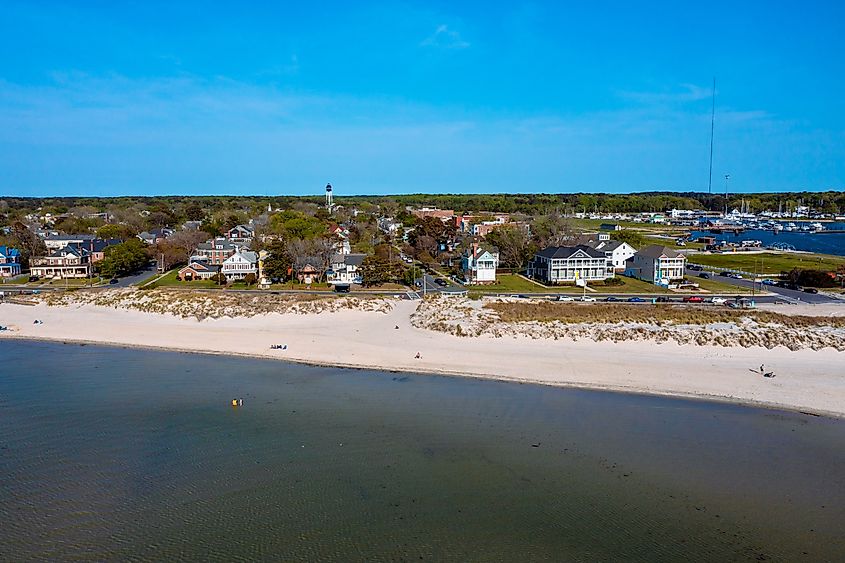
x=8, y=251
x=658, y=251
x=567, y=251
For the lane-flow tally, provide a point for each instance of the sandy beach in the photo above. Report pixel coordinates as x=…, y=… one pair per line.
x=806, y=380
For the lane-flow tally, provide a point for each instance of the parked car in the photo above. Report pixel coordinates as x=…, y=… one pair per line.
x=693, y=299
x=342, y=288
x=588, y=299
x=519, y=296
x=704, y=275
x=113, y=281
x=768, y=281
x=718, y=300
x=441, y=282
x=733, y=304
x=636, y=300
x=565, y=298
x=725, y=274
x=735, y=276
x=663, y=299
x=695, y=267
x=612, y=299
x=810, y=290
x=34, y=278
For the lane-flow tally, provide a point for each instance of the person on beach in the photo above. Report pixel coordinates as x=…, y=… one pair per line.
x=417, y=356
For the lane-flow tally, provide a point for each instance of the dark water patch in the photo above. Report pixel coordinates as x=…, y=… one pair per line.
x=120, y=454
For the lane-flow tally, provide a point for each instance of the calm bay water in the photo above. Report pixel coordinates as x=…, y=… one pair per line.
x=114, y=454
x=832, y=243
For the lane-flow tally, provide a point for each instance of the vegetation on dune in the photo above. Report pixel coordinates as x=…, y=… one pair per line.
x=649, y=314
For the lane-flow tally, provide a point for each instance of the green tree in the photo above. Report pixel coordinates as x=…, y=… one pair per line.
x=116, y=231
x=124, y=258
x=376, y=271
x=278, y=263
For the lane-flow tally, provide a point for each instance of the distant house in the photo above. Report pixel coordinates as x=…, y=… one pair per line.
x=96, y=247
x=308, y=273
x=444, y=215
x=345, y=268
x=479, y=265
x=240, y=264
x=68, y=262
x=240, y=234
x=656, y=264
x=198, y=270
x=610, y=227
x=155, y=236
x=191, y=225
x=10, y=262
x=216, y=250
x=566, y=264
x=59, y=241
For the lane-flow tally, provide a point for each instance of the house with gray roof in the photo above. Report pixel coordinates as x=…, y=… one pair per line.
x=566, y=264
x=240, y=264
x=657, y=264
x=345, y=268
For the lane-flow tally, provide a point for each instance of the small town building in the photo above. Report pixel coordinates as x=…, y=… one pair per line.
x=68, y=262
x=345, y=268
x=240, y=234
x=617, y=252
x=308, y=273
x=198, y=270
x=566, y=264
x=155, y=236
x=479, y=264
x=10, y=262
x=54, y=241
x=216, y=250
x=657, y=264
x=240, y=264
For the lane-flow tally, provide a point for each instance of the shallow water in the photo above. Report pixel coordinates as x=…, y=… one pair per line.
x=116, y=454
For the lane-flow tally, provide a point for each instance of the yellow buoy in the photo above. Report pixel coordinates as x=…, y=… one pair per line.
x=234, y=402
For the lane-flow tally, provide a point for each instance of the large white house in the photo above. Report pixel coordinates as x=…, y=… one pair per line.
x=615, y=251
x=479, y=265
x=562, y=264
x=68, y=262
x=240, y=264
x=345, y=268
x=656, y=264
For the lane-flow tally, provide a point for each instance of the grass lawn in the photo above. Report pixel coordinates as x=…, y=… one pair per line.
x=512, y=283
x=169, y=280
x=716, y=286
x=768, y=262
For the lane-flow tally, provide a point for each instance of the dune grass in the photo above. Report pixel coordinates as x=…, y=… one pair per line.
x=573, y=313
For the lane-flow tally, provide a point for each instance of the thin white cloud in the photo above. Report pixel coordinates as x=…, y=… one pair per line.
x=681, y=94
x=445, y=38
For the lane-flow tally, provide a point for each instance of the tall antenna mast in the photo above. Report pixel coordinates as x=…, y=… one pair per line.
x=712, y=122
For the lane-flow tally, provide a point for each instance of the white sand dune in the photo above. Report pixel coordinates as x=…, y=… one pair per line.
x=806, y=380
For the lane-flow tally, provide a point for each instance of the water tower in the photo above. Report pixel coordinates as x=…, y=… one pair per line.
x=329, y=201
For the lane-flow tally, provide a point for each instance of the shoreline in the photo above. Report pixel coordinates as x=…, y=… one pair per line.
x=623, y=390
x=807, y=381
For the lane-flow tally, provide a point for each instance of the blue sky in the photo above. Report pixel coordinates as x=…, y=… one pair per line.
x=108, y=98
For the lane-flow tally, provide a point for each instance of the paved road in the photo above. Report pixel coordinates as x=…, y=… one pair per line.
x=432, y=287
x=135, y=278
x=786, y=294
